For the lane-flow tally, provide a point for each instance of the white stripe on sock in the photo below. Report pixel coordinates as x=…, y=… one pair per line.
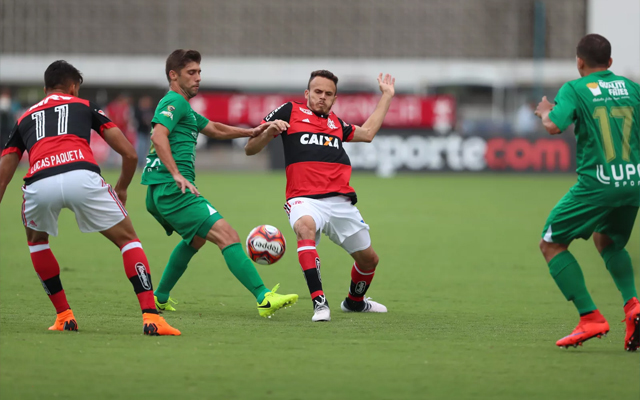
x=303, y=248
x=132, y=245
x=363, y=273
x=38, y=247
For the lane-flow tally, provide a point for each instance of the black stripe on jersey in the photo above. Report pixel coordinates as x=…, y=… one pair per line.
x=47, y=172
x=313, y=147
x=352, y=196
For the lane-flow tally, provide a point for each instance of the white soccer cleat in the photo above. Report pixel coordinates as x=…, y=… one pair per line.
x=321, y=310
x=369, y=306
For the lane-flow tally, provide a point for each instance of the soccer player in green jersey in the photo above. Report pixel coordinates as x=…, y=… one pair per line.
x=174, y=200
x=605, y=109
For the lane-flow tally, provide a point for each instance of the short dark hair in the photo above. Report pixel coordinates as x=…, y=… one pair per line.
x=61, y=74
x=595, y=50
x=325, y=74
x=179, y=59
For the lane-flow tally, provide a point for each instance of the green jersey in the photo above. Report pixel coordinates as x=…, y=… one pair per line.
x=184, y=124
x=605, y=109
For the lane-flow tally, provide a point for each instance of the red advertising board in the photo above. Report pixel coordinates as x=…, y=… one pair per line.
x=406, y=111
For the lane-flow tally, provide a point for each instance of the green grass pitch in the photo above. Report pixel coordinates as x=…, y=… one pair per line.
x=473, y=312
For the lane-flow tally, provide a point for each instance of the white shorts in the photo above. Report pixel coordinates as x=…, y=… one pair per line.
x=336, y=217
x=84, y=192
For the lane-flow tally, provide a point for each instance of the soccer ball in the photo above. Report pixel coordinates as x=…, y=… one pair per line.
x=265, y=244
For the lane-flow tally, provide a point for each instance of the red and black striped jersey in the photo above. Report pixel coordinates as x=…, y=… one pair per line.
x=56, y=132
x=316, y=163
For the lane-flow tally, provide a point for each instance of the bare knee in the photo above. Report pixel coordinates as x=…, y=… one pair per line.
x=121, y=233
x=550, y=250
x=367, y=260
x=222, y=234
x=305, y=228
x=601, y=241
x=36, y=236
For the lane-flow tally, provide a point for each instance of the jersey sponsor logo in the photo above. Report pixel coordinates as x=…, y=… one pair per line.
x=320, y=140
x=171, y=108
x=57, y=159
x=595, y=89
x=623, y=175
x=53, y=97
x=331, y=124
x=615, y=88
x=167, y=114
x=304, y=110
x=272, y=113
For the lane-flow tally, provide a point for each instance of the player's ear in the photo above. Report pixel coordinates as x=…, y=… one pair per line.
x=173, y=75
x=306, y=94
x=610, y=62
x=580, y=63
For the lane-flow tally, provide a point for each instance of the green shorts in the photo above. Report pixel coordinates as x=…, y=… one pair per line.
x=181, y=212
x=572, y=219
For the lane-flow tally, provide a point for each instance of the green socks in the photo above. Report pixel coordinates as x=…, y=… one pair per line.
x=243, y=269
x=618, y=263
x=176, y=266
x=568, y=276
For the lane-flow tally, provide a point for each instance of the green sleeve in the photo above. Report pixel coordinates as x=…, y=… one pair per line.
x=170, y=111
x=564, y=112
x=200, y=121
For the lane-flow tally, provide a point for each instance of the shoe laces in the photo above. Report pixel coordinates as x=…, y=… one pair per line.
x=320, y=304
x=172, y=301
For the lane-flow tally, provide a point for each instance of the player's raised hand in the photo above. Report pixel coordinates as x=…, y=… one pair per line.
x=184, y=184
x=543, y=106
x=387, y=84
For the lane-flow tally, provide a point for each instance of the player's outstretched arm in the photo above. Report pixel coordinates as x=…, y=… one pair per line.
x=542, y=111
x=269, y=131
x=371, y=126
x=160, y=140
x=118, y=142
x=219, y=131
x=8, y=165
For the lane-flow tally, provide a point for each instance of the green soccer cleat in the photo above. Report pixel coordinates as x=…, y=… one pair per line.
x=165, y=306
x=273, y=302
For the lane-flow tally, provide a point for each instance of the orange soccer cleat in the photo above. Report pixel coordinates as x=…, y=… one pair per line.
x=632, y=318
x=590, y=326
x=155, y=325
x=65, y=321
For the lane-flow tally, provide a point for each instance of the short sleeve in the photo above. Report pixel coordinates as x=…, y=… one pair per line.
x=99, y=120
x=348, y=131
x=13, y=143
x=564, y=112
x=283, y=113
x=200, y=121
x=170, y=111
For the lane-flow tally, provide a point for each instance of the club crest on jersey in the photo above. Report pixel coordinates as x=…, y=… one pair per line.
x=320, y=140
x=304, y=110
x=171, y=108
x=102, y=113
x=331, y=124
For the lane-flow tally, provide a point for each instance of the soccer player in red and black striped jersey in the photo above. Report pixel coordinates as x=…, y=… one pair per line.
x=64, y=174
x=319, y=196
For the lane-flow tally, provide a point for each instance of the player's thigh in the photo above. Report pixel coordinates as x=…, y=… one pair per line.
x=618, y=225
x=185, y=213
x=41, y=205
x=299, y=207
x=92, y=200
x=571, y=219
x=346, y=226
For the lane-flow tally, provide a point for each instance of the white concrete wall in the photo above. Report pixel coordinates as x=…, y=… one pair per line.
x=618, y=21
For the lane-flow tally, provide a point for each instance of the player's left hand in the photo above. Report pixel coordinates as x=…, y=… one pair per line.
x=122, y=195
x=543, y=106
x=387, y=84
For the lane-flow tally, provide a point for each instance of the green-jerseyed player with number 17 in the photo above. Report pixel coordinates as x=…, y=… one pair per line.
x=174, y=200
x=605, y=110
